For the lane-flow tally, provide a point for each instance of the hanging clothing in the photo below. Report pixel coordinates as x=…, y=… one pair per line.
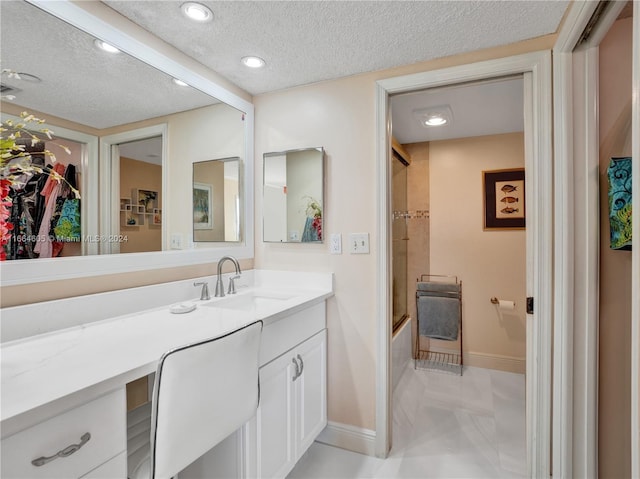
x=51, y=191
x=52, y=182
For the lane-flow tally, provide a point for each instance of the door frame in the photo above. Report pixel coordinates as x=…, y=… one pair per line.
x=577, y=226
x=110, y=171
x=538, y=160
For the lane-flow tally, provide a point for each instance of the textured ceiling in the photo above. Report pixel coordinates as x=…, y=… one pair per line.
x=80, y=82
x=302, y=41
x=309, y=41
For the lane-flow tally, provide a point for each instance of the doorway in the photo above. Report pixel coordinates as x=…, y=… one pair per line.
x=537, y=94
x=479, y=136
x=136, y=171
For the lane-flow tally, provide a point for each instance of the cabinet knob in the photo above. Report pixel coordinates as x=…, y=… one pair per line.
x=65, y=452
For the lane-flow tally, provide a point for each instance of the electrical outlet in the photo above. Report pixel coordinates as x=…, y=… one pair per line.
x=335, y=243
x=294, y=235
x=359, y=243
x=176, y=241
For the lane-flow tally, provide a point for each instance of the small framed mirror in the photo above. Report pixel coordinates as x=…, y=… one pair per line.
x=293, y=191
x=216, y=200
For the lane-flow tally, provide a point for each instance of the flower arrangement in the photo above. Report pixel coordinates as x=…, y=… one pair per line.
x=16, y=162
x=314, y=210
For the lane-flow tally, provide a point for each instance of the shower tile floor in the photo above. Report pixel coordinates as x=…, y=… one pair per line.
x=444, y=426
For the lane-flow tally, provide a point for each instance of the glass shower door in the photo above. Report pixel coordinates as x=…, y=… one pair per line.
x=399, y=240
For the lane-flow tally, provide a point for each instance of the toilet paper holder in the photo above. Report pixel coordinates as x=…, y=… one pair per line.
x=497, y=302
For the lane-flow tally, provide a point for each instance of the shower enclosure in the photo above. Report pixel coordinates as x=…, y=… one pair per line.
x=400, y=240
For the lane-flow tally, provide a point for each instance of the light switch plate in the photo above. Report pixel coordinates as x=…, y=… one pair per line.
x=335, y=243
x=359, y=243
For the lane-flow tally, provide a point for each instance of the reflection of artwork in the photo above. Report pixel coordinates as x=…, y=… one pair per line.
x=202, y=207
x=504, y=206
x=147, y=199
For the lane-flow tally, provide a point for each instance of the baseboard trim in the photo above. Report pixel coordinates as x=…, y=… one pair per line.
x=509, y=364
x=494, y=361
x=356, y=439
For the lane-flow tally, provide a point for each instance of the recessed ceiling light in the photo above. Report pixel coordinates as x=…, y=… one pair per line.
x=105, y=46
x=196, y=11
x=253, y=62
x=435, y=120
x=434, y=116
x=179, y=82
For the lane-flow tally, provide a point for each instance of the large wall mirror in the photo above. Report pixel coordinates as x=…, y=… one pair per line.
x=134, y=133
x=294, y=196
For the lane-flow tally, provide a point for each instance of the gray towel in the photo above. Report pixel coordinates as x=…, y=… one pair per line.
x=433, y=286
x=438, y=317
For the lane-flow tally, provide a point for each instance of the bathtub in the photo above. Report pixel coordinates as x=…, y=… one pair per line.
x=400, y=352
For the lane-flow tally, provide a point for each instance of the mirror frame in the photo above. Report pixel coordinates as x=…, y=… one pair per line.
x=131, y=40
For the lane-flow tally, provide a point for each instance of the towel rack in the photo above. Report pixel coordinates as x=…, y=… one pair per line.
x=445, y=295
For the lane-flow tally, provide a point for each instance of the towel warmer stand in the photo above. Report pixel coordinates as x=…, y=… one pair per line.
x=441, y=360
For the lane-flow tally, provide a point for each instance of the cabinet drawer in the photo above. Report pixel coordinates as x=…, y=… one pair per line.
x=104, y=418
x=116, y=467
x=286, y=333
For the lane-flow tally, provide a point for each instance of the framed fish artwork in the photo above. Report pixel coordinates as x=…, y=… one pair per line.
x=504, y=206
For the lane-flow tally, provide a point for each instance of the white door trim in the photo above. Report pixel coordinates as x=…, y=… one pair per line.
x=577, y=230
x=539, y=245
x=565, y=234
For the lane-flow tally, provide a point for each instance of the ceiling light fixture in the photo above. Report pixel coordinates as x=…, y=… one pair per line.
x=179, y=82
x=253, y=62
x=105, y=46
x=196, y=11
x=435, y=120
x=434, y=116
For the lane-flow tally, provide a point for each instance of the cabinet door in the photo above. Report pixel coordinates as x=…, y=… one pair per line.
x=274, y=429
x=311, y=391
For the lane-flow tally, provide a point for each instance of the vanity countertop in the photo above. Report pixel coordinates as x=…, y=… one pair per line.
x=97, y=357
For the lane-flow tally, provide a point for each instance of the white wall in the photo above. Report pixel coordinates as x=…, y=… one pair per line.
x=329, y=115
x=340, y=116
x=489, y=263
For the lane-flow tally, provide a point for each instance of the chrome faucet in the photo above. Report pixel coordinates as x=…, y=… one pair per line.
x=232, y=287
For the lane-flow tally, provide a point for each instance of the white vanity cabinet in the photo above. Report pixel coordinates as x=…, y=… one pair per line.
x=292, y=410
x=101, y=455
x=58, y=386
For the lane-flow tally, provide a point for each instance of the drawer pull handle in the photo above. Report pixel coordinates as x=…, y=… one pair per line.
x=301, y=365
x=297, y=373
x=67, y=451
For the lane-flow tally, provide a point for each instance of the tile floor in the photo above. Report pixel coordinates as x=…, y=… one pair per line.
x=444, y=426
